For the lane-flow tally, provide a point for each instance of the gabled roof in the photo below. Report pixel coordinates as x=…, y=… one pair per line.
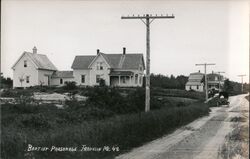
x=120, y=61
x=195, y=78
x=82, y=62
x=41, y=61
x=62, y=74
x=211, y=76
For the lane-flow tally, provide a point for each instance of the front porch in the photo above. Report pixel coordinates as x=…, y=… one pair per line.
x=124, y=79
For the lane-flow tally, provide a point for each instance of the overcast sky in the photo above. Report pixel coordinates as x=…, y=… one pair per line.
x=203, y=31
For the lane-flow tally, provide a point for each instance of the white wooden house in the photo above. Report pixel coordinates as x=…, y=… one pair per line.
x=32, y=69
x=125, y=70
x=214, y=80
x=195, y=82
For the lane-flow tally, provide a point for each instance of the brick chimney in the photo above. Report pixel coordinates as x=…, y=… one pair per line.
x=34, y=50
x=124, y=51
x=97, y=51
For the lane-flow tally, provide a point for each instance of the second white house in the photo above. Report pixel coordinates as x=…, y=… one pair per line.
x=126, y=70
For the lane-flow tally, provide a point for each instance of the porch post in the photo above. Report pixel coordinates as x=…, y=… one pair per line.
x=119, y=80
x=138, y=79
x=130, y=80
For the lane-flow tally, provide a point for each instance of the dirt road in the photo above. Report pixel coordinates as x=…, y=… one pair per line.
x=204, y=138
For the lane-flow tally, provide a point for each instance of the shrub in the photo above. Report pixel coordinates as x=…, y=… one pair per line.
x=102, y=83
x=106, y=98
x=120, y=101
x=70, y=85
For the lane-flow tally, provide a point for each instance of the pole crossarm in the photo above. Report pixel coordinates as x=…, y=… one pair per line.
x=148, y=16
x=147, y=19
x=241, y=75
x=205, y=64
x=220, y=72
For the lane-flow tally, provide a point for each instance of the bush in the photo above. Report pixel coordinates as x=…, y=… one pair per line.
x=120, y=101
x=107, y=98
x=70, y=85
x=102, y=83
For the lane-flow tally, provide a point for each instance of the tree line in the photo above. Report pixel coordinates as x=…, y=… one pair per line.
x=234, y=88
x=5, y=82
x=169, y=82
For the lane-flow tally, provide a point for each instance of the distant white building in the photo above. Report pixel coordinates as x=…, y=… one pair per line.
x=125, y=70
x=195, y=82
x=214, y=80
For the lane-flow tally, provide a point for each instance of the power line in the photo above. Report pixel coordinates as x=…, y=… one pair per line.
x=205, y=71
x=147, y=19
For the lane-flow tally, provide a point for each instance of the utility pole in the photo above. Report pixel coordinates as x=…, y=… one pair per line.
x=147, y=20
x=241, y=82
x=205, y=71
x=219, y=72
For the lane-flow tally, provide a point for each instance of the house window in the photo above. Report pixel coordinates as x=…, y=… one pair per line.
x=197, y=87
x=27, y=79
x=190, y=87
x=136, y=78
x=98, y=77
x=99, y=66
x=25, y=63
x=83, y=79
x=61, y=81
x=140, y=68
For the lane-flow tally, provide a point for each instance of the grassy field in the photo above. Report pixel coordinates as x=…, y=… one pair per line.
x=108, y=119
x=178, y=93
